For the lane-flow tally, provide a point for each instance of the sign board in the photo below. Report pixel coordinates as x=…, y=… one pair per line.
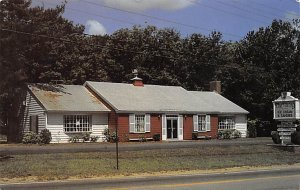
x=285, y=138
x=284, y=110
x=285, y=133
x=286, y=107
x=286, y=129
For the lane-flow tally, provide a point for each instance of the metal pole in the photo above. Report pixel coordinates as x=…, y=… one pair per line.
x=117, y=144
x=117, y=150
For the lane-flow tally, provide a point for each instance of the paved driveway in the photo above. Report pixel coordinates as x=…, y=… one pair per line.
x=11, y=149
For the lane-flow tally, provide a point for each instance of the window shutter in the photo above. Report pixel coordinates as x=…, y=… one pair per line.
x=195, y=121
x=164, y=127
x=207, y=122
x=180, y=136
x=147, y=122
x=131, y=123
x=34, y=120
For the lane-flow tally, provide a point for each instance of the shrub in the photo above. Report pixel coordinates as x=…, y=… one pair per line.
x=229, y=134
x=251, y=128
x=86, y=137
x=295, y=137
x=236, y=134
x=107, y=135
x=31, y=138
x=156, y=137
x=94, y=138
x=142, y=138
x=74, y=139
x=195, y=135
x=114, y=137
x=275, y=137
x=45, y=136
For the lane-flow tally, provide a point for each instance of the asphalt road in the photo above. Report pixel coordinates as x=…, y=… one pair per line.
x=12, y=149
x=283, y=179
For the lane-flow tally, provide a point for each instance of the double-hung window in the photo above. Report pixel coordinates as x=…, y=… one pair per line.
x=201, y=123
x=77, y=123
x=226, y=123
x=139, y=123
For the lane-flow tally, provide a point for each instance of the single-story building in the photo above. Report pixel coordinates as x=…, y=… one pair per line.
x=65, y=110
x=137, y=110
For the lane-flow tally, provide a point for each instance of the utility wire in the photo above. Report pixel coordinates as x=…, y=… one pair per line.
x=268, y=12
x=276, y=9
x=245, y=10
x=143, y=15
x=123, y=21
x=97, y=45
x=227, y=12
x=88, y=13
x=160, y=19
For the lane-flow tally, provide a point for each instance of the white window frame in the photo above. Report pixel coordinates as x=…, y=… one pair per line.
x=206, y=123
x=226, y=122
x=137, y=122
x=77, y=123
x=134, y=119
x=202, y=128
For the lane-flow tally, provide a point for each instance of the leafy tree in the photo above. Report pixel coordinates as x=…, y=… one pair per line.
x=269, y=63
x=28, y=54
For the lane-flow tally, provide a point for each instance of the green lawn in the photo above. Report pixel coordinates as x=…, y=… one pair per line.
x=85, y=165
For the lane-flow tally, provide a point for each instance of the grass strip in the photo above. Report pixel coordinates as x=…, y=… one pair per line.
x=42, y=167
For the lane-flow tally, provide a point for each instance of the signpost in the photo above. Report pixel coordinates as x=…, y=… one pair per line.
x=286, y=111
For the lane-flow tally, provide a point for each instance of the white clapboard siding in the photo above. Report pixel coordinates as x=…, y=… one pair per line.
x=99, y=124
x=33, y=108
x=55, y=125
x=241, y=124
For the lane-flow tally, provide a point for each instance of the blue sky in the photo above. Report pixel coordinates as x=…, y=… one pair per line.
x=233, y=18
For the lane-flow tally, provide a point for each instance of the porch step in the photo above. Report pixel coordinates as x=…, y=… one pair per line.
x=140, y=139
x=204, y=137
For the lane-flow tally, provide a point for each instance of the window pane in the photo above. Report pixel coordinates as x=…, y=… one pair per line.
x=77, y=123
x=139, y=123
x=202, y=123
x=226, y=123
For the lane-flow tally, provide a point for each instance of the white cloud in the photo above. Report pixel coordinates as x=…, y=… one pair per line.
x=94, y=27
x=141, y=5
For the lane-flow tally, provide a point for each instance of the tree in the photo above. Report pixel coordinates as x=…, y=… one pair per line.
x=32, y=41
x=269, y=63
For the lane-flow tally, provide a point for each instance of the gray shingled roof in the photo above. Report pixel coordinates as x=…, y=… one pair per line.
x=216, y=103
x=66, y=98
x=165, y=99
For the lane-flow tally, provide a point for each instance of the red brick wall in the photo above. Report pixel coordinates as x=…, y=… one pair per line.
x=123, y=127
x=213, y=128
x=188, y=127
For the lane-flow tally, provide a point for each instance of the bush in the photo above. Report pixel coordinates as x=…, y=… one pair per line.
x=94, y=138
x=275, y=137
x=86, y=137
x=31, y=138
x=251, y=128
x=295, y=137
x=236, y=134
x=74, y=139
x=107, y=135
x=229, y=134
x=45, y=136
x=113, y=137
x=195, y=135
x=156, y=137
x=142, y=138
